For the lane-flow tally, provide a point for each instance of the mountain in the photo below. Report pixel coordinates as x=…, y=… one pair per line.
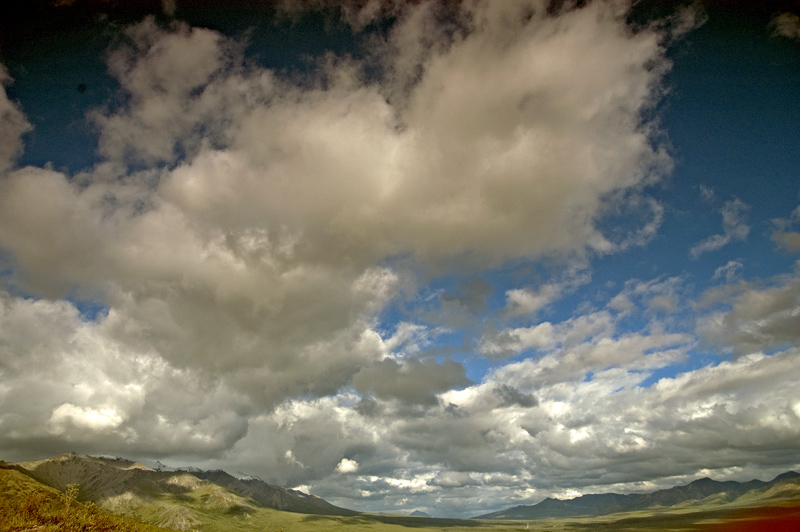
x=26, y=504
x=701, y=491
x=419, y=513
x=271, y=496
x=172, y=499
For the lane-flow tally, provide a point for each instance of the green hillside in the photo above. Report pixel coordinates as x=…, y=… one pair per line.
x=27, y=505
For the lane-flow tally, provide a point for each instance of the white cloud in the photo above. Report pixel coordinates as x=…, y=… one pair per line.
x=521, y=301
x=84, y=417
x=347, y=466
x=68, y=378
x=734, y=227
x=729, y=271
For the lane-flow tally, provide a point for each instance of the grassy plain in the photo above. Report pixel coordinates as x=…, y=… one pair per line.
x=756, y=519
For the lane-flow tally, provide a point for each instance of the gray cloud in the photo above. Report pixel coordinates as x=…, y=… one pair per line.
x=511, y=396
x=411, y=382
x=750, y=317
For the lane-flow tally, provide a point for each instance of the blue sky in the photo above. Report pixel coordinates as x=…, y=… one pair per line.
x=449, y=257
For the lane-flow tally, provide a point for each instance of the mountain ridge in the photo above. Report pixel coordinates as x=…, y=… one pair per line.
x=594, y=505
x=171, y=499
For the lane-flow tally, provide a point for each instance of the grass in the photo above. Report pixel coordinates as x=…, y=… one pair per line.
x=28, y=506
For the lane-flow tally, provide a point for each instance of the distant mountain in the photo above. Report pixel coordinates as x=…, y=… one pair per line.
x=419, y=513
x=178, y=499
x=701, y=491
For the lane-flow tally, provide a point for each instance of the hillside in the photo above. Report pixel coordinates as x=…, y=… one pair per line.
x=175, y=499
x=26, y=504
x=701, y=492
x=271, y=496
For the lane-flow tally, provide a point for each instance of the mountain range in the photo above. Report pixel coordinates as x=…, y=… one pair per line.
x=698, y=492
x=215, y=501
x=171, y=499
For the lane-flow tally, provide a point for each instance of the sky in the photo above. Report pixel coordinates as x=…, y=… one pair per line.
x=439, y=256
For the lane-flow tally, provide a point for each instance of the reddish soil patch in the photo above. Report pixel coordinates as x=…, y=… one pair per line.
x=769, y=519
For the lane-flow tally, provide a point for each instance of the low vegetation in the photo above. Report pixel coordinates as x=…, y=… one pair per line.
x=26, y=505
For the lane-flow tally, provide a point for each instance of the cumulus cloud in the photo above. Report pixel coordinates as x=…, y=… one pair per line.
x=252, y=244
x=65, y=380
x=347, y=466
x=734, y=228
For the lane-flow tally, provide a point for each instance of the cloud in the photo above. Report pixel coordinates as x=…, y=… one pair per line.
x=254, y=242
x=413, y=382
x=784, y=235
x=67, y=382
x=657, y=295
x=522, y=301
x=511, y=396
x=786, y=25
x=453, y=479
x=347, y=466
x=734, y=229
x=598, y=432
x=546, y=336
x=788, y=241
x=751, y=317
x=729, y=271
x=13, y=124
x=246, y=231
